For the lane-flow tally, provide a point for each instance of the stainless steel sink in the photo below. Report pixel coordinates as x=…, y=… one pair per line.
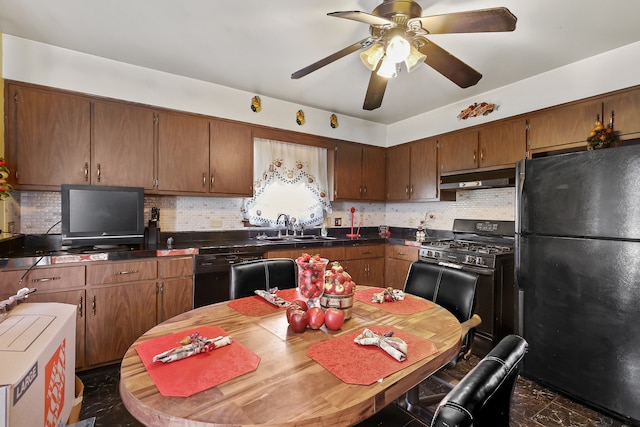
x=293, y=238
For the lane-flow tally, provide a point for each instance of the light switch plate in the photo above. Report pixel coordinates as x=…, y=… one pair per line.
x=337, y=222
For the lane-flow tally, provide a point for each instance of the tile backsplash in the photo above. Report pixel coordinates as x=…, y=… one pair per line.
x=34, y=212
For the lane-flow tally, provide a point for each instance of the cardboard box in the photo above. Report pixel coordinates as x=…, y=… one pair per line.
x=37, y=350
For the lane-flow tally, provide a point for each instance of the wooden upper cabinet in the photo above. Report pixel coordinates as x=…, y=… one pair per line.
x=503, y=143
x=347, y=171
x=48, y=138
x=398, y=172
x=373, y=173
x=412, y=171
x=424, y=169
x=183, y=153
x=459, y=151
x=123, y=145
x=359, y=172
x=231, y=159
x=567, y=126
x=626, y=111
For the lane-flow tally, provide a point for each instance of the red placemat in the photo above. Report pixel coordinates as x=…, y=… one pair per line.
x=256, y=306
x=194, y=374
x=365, y=364
x=409, y=305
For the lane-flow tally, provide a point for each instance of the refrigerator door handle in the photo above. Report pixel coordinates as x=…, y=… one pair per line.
x=520, y=176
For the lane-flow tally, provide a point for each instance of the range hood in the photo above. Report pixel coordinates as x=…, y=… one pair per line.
x=475, y=181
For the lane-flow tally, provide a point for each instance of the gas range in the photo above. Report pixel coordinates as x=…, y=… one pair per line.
x=476, y=243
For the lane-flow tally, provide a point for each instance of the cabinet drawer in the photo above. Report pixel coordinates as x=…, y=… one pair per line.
x=175, y=267
x=364, y=251
x=119, y=272
x=406, y=253
x=43, y=279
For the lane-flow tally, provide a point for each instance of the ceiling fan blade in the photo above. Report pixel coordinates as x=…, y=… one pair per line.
x=474, y=21
x=331, y=58
x=364, y=17
x=448, y=65
x=375, y=91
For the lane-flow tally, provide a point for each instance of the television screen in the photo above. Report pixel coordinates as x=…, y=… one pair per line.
x=102, y=215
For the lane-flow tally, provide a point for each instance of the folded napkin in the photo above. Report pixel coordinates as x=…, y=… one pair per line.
x=192, y=345
x=388, y=295
x=395, y=347
x=273, y=298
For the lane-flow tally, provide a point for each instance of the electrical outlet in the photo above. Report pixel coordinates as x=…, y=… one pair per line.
x=216, y=223
x=337, y=222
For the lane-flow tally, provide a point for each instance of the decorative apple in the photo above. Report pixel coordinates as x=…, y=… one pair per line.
x=337, y=281
x=298, y=320
x=333, y=318
x=315, y=317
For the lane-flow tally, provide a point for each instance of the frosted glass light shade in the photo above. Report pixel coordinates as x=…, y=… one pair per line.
x=387, y=68
x=372, y=56
x=398, y=49
x=414, y=59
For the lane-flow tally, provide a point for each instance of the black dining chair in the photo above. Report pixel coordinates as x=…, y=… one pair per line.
x=455, y=290
x=481, y=399
x=248, y=276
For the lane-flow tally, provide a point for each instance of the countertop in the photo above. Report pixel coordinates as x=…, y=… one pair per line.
x=16, y=251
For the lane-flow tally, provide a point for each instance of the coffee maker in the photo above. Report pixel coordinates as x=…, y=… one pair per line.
x=152, y=232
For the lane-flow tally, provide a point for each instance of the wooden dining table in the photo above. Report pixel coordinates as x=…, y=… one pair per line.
x=288, y=388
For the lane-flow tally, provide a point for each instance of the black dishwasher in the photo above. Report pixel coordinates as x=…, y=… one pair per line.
x=212, y=272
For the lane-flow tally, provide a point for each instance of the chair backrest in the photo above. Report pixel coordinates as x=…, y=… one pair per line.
x=453, y=289
x=248, y=276
x=483, y=397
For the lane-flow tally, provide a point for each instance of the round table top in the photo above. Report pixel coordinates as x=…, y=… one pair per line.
x=288, y=388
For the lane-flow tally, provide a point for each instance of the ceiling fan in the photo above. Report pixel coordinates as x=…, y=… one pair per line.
x=398, y=34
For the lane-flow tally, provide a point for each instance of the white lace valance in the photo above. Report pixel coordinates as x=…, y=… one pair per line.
x=289, y=179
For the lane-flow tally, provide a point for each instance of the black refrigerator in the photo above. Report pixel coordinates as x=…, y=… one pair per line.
x=578, y=275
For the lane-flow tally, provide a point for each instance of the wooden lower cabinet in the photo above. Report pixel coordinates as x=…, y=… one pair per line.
x=332, y=253
x=116, y=316
x=174, y=288
x=365, y=264
x=397, y=262
x=117, y=301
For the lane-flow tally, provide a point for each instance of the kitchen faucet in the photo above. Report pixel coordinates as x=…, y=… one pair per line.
x=286, y=224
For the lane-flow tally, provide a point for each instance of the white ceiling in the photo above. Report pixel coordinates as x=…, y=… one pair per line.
x=255, y=45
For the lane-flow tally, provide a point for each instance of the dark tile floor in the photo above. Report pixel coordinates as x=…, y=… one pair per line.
x=532, y=405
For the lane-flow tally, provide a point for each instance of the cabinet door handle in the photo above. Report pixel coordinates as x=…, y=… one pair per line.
x=93, y=305
x=411, y=189
x=86, y=171
x=482, y=154
x=364, y=189
x=45, y=279
x=474, y=155
x=99, y=172
x=121, y=273
x=204, y=179
x=80, y=307
x=406, y=190
x=213, y=179
x=366, y=252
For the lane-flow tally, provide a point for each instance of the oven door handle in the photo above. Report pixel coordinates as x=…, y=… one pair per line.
x=450, y=264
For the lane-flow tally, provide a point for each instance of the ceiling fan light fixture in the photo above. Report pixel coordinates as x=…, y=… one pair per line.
x=372, y=56
x=414, y=59
x=387, y=68
x=398, y=49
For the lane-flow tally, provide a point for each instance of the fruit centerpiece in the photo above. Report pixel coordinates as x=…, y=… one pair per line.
x=339, y=289
x=311, y=271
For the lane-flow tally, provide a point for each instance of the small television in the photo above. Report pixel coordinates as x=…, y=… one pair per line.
x=102, y=216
